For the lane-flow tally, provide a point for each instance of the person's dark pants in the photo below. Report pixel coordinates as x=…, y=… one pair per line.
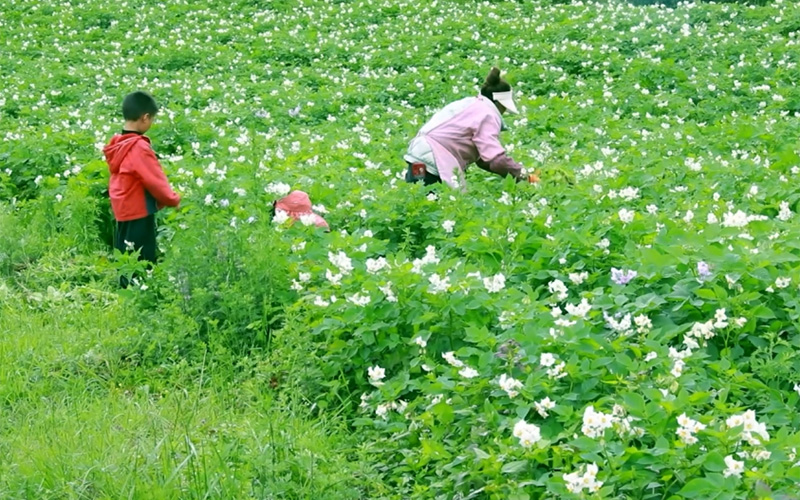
x=138, y=234
x=428, y=180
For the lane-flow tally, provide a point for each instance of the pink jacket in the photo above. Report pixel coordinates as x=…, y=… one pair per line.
x=471, y=135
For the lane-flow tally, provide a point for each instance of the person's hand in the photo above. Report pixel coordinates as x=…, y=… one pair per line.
x=533, y=178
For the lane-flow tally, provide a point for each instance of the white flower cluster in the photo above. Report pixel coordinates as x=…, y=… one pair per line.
x=580, y=310
x=528, y=434
x=360, y=300
x=510, y=385
x=544, y=405
x=429, y=258
x=465, y=371
x=595, y=423
x=558, y=288
x=554, y=371
x=376, y=374
x=733, y=467
x=688, y=428
x=753, y=432
x=576, y=482
x=376, y=265
x=578, y=278
x=495, y=283
x=341, y=261
x=382, y=410
x=622, y=326
x=387, y=291
x=278, y=188
x=626, y=216
x=438, y=284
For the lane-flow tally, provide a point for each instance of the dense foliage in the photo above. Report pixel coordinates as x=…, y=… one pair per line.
x=625, y=329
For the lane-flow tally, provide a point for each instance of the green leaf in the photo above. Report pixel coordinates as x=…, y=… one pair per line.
x=635, y=404
x=705, y=293
x=514, y=467
x=698, y=488
x=714, y=462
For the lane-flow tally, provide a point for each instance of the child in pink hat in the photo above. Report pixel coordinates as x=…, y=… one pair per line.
x=297, y=206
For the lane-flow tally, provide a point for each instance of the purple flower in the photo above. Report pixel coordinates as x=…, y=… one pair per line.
x=621, y=277
x=703, y=270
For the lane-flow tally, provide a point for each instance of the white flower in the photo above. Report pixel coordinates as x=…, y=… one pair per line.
x=720, y=319
x=335, y=279
x=557, y=371
x=783, y=282
x=320, y=302
x=734, y=467
x=544, y=405
x=450, y=357
x=510, y=385
x=578, y=278
x=762, y=455
x=712, y=219
x=387, y=291
x=753, y=432
x=528, y=434
x=785, y=212
x=429, y=258
x=448, y=226
x=595, y=423
x=626, y=216
x=278, y=188
x=468, y=372
x=280, y=217
x=495, y=283
x=688, y=217
x=738, y=219
x=547, y=359
x=629, y=193
x=643, y=323
x=342, y=261
x=209, y=200
x=797, y=388
x=558, y=288
x=688, y=428
x=376, y=373
x=376, y=265
x=650, y=356
x=383, y=410
x=438, y=285
x=677, y=368
x=359, y=300
x=580, y=310
x=308, y=219
x=421, y=342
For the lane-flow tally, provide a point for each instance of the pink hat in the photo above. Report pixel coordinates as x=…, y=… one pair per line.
x=296, y=205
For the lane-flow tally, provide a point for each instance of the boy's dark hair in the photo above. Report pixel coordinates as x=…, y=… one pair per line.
x=494, y=84
x=137, y=104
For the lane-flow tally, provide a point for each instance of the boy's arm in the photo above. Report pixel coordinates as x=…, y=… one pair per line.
x=153, y=178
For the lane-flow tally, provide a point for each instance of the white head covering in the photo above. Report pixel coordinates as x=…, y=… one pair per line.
x=507, y=100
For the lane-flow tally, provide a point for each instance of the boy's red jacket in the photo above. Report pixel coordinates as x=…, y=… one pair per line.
x=138, y=186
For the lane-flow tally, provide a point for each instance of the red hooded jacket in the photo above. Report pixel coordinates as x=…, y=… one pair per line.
x=138, y=186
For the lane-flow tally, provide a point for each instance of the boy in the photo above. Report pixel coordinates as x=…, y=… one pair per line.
x=138, y=187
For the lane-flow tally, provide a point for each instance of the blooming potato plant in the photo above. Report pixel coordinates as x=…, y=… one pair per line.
x=624, y=329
